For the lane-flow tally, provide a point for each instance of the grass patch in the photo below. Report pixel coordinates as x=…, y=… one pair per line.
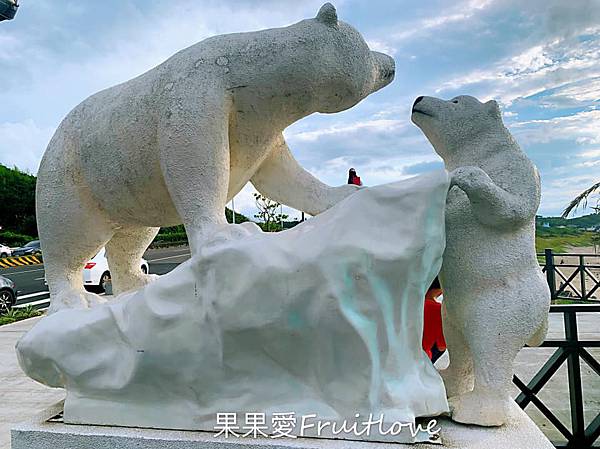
x=572, y=301
x=560, y=243
x=22, y=313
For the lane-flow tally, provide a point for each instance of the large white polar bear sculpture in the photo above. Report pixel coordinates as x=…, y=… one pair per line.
x=495, y=297
x=176, y=143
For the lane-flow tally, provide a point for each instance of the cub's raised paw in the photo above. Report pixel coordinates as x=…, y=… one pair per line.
x=468, y=177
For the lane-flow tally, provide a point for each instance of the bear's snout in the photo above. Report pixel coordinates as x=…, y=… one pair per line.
x=385, y=69
x=417, y=101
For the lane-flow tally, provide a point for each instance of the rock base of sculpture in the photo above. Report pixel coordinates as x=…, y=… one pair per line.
x=519, y=433
x=322, y=321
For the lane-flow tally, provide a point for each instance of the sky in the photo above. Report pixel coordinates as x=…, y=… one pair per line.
x=540, y=59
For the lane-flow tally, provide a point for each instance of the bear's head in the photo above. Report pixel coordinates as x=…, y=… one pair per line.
x=450, y=124
x=343, y=68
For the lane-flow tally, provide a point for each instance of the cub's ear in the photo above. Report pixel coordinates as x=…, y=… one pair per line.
x=328, y=15
x=493, y=109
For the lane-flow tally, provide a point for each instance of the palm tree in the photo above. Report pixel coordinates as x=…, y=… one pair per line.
x=581, y=200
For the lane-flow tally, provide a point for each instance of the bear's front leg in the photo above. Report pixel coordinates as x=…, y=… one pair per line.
x=281, y=178
x=194, y=156
x=493, y=205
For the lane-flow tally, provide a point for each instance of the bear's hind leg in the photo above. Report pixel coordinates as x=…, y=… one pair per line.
x=493, y=357
x=458, y=377
x=123, y=252
x=67, y=244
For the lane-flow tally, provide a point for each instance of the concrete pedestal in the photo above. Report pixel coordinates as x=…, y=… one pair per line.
x=39, y=433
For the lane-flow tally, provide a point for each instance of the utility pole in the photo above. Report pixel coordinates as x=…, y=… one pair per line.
x=281, y=216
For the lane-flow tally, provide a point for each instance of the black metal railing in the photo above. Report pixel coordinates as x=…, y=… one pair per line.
x=570, y=350
x=573, y=276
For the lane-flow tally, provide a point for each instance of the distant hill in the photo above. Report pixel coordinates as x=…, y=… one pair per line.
x=583, y=222
x=239, y=218
x=561, y=234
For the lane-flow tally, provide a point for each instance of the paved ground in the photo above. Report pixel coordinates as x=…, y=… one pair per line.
x=20, y=396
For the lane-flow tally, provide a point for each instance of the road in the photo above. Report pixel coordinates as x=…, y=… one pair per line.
x=29, y=279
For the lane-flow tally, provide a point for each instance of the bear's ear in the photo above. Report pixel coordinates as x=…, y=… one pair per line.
x=493, y=108
x=328, y=15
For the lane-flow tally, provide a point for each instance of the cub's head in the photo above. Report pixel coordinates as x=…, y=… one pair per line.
x=344, y=69
x=449, y=124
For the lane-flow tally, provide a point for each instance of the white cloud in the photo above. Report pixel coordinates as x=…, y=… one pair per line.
x=22, y=144
x=559, y=189
x=557, y=68
x=587, y=164
x=531, y=60
x=590, y=153
x=379, y=125
x=381, y=46
x=581, y=127
x=375, y=171
x=459, y=13
x=587, y=90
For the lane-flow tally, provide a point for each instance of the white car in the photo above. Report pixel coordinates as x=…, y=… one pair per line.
x=5, y=251
x=96, y=273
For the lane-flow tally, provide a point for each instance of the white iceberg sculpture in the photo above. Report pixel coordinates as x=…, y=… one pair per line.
x=325, y=319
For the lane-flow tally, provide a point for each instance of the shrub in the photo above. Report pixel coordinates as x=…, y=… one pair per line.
x=171, y=237
x=18, y=314
x=13, y=239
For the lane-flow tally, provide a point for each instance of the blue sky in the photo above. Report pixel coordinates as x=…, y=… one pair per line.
x=539, y=58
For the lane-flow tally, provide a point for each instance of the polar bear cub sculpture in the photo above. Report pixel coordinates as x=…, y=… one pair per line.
x=495, y=297
x=176, y=143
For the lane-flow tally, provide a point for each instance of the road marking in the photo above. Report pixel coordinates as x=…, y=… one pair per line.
x=31, y=295
x=39, y=279
x=34, y=303
x=21, y=272
x=19, y=261
x=168, y=257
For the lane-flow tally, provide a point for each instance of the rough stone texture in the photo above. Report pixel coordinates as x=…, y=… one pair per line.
x=324, y=318
x=519, y=433
x=495, y=297
x=176, y=143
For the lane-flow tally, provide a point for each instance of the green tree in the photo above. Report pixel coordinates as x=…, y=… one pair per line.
x=582, y=200
x=17, y=200
x=268, y=213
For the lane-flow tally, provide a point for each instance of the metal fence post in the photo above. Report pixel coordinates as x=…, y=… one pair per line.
x=550, y=274
x=582, y=277
x=574, y=376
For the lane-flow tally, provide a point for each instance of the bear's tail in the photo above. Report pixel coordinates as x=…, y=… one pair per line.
x=540, y=335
